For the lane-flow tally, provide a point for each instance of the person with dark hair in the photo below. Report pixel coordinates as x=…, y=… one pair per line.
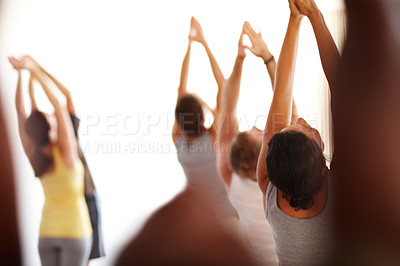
x=291, y=170
x=194, y=142
x=65, y=236
x=91, y=196
x=237, y=164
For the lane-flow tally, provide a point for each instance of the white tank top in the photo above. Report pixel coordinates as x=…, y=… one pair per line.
x=246, y=197
x=199, y=162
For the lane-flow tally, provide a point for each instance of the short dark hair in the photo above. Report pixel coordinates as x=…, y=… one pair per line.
x=294, y=165
x=243, y=155
x=189, y=114
x=37, y=127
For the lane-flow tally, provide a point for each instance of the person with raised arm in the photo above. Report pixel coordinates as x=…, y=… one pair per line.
x=291, y=170
x=65, y=236
x=237, y=161
x=194, y=142
x=91, y=196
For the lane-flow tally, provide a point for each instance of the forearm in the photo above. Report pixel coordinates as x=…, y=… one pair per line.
x=232, y=88
x=271, y=68
x=287, y=59
x=41, y=77
x=63, y=89
x=32, y=94
x=280, y=112
x=60, y=86
x=19, y=98
x=219, y=77
x=184, y=73
x=328, y=51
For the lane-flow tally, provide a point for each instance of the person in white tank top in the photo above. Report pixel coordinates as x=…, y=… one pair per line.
x=194, y=142
x=238, y=156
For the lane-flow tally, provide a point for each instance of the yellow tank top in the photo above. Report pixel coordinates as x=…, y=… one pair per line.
x=65, y=213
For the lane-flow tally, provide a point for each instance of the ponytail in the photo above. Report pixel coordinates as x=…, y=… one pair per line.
x=40, y=162
x=37, y=127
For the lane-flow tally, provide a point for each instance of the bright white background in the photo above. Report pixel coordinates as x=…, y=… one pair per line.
x=121, y=61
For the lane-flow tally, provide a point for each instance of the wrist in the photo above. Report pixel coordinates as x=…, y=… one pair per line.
x=240, y=58
x=266, y=56
x=295, y=20
x=269, y=60
x=204, y=43
x=314, y=14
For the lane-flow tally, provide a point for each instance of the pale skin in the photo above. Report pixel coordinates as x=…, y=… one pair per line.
x=65, y=137
x=59, y=85
x=279, y=117
x=229, y=124
x=260, y=49
x=196, y=34
x=20, y=107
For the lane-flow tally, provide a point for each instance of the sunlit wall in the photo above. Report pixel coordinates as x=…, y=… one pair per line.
x=121, y=61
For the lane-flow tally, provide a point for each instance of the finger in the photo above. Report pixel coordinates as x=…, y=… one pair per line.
x=250, y=29
x=297, y=6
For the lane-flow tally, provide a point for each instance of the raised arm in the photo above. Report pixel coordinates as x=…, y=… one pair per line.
x=66, y=136
x=32, y=94
x=27, y=144
x=229, y=124
x=196, y=34
x=328, y=51
x=280, y=112
x=182, y=90
x=260, y=49
x=64, y=90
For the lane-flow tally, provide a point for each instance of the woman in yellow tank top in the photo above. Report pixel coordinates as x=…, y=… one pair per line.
x=50, y=144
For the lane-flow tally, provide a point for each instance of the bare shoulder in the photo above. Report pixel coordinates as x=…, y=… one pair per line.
x=176, y=132
x=185, y=231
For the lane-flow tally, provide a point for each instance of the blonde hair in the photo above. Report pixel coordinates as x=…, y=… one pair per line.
x=243, y=155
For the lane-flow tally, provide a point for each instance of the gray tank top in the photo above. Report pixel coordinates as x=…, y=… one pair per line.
x=199, y=162
x=301, y=241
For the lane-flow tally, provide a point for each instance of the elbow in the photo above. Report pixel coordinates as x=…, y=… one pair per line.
x=67, y=95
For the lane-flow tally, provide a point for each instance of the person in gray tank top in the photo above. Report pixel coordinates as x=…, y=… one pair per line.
x=291, y=171
x=301, y=241
x=194, y=142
